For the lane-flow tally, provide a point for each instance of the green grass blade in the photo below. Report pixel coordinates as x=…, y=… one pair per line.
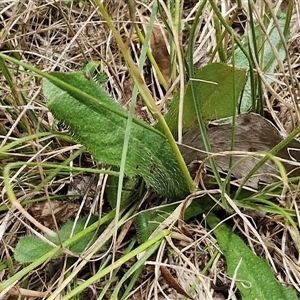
x=146, y=246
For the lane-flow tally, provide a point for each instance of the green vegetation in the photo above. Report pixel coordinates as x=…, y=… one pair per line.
x=139, y=198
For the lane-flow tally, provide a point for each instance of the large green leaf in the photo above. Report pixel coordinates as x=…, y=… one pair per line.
x=100, y=127
x=218, y=87
x=254, y=277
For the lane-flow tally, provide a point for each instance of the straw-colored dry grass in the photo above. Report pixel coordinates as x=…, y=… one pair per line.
x=55, y=37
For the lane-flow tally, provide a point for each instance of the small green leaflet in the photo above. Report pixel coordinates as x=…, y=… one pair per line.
x=31, y=248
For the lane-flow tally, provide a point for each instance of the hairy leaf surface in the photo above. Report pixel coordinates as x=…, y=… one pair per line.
x=99, y=123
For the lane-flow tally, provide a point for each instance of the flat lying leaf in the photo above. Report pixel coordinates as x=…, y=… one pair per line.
x=254, y=278
x=253, y=133
x=31, y=248
x=147, y=221
x=100, y=127
x=218, y=88
x=44, y=211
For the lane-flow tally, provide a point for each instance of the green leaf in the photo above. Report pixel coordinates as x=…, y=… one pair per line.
x=146, y=222
x=218, y=86
x=254, y=277
x=91, y=71
x=67, y=231
x=130, y=185
x=99, y=124
x=268, y=61
x=31, y=248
